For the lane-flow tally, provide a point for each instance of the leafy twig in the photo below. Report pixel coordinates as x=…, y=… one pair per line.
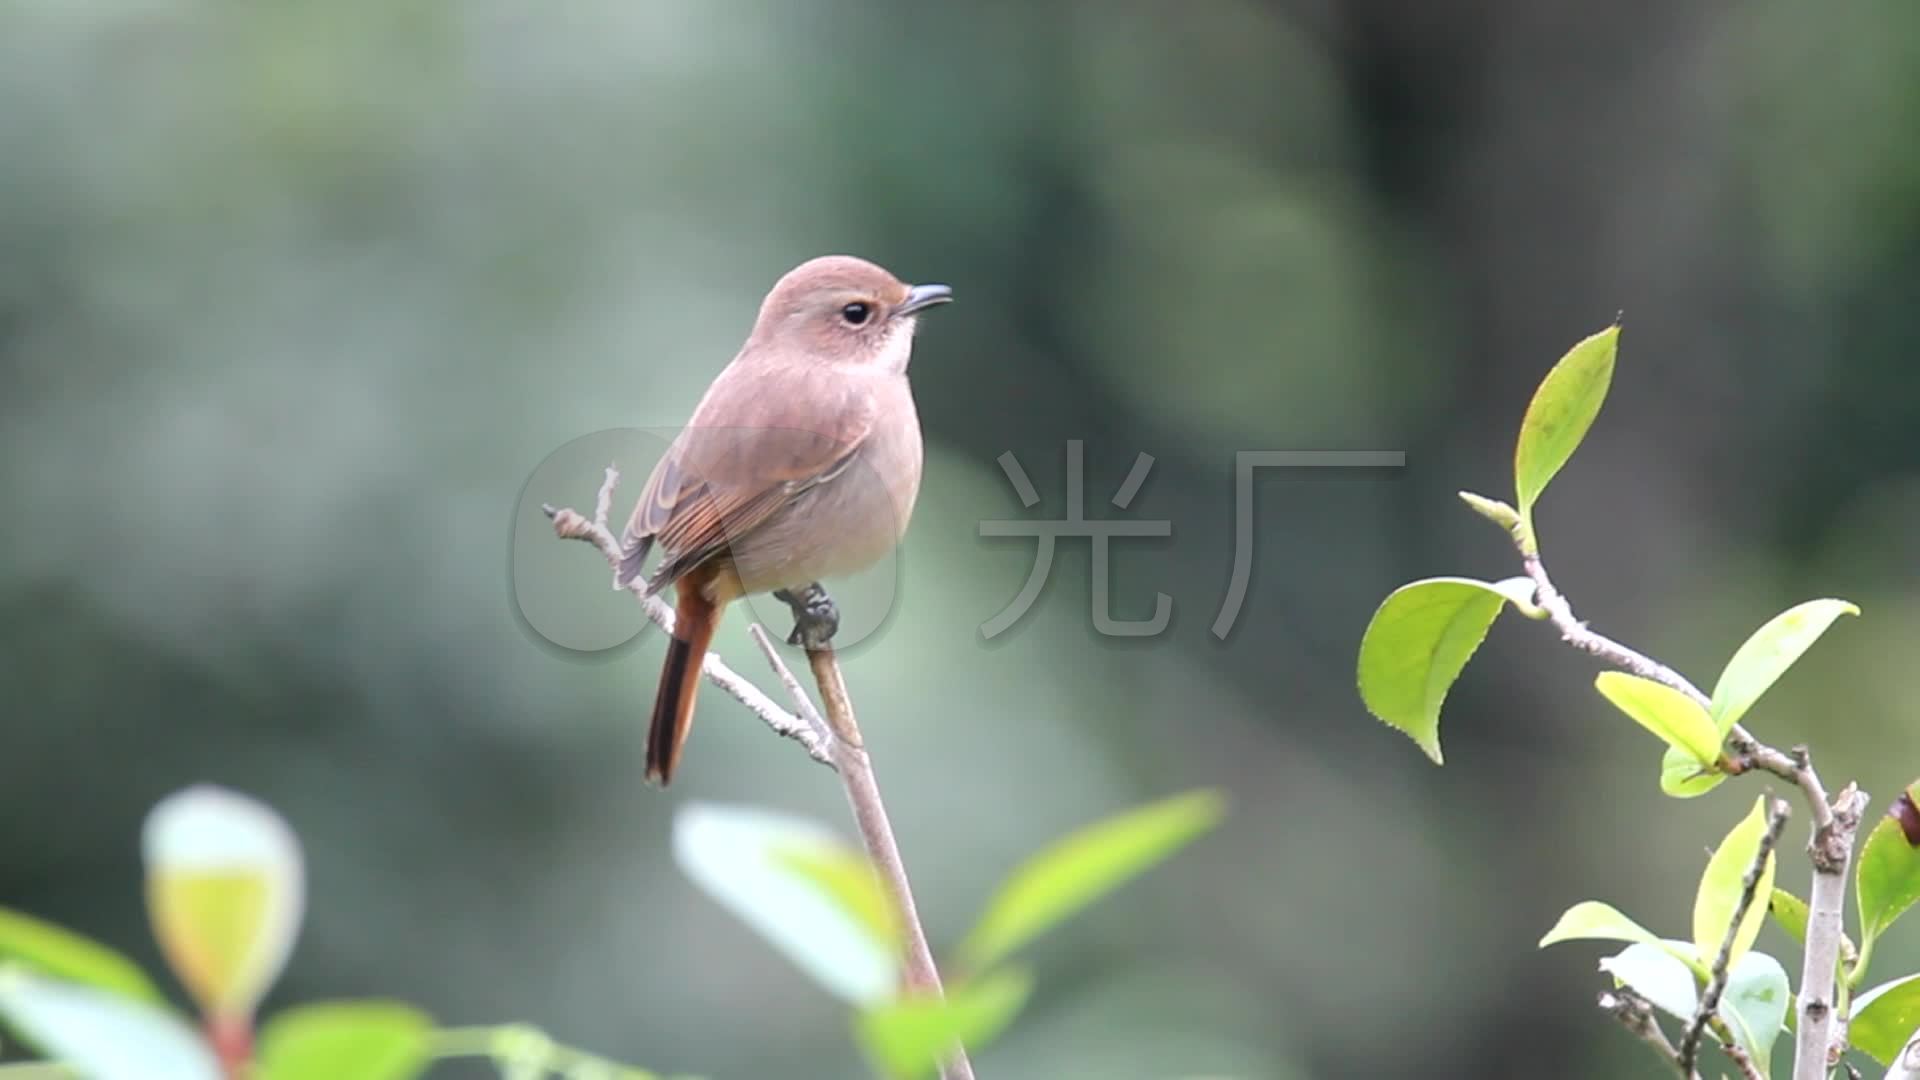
x=1777, y=812
x=1747, y=752
x=1834, y=823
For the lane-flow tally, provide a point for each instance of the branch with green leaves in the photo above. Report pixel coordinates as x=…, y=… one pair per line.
x=1420, y=641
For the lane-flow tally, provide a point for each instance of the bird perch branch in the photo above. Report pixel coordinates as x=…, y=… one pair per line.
x=569, y=524
x=833, y=739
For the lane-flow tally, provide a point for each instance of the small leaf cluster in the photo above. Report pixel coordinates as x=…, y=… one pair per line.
x=225, y=895
x=1423, y=634
x=821, y=904
x=1669, y=973
x=1420, y=640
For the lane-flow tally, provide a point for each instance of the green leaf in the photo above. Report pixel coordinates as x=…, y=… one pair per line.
x=1557, y=419
x=1757, y=998
x=1768, y=654
x=1080, y=868
x=1885, y=1017
x=51, y=950
x=226, y=894
x=1887, y=882
x=1720, y=888
x=1674, y=717
x=744, y=858
x=850, y=879
x=1591, y=920
x=347, y=1040
x=1790, y=912
x=1418, y=643
x=909, y=1036
x=100, y=1034
x=1684, y=778
x=1652, y=970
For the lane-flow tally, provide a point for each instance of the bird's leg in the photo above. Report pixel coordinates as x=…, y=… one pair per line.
x=815, y=618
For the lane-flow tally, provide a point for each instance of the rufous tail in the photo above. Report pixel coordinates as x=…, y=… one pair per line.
x=695, y=618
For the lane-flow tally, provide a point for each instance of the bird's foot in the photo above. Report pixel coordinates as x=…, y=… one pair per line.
x=815, y=618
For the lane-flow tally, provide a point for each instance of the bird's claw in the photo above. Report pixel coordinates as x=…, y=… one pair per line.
x=815, y=617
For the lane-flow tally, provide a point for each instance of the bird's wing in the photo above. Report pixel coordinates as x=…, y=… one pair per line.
x=756, y=441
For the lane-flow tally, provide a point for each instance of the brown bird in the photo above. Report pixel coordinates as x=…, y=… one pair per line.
x=801, y=462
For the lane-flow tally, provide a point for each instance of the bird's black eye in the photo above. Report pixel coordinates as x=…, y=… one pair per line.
x=856, y=313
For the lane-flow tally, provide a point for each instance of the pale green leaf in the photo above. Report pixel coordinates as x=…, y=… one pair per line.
x=908, y=1037
x=1652, y=970
x=1887, y=882
x=1082, y=867
x=1591, y=920
x=1417, y=644
x=1885, y=1017
x=1562, y=410
x=100, y=1034
x=849, y=877
x=1755, y=1004
x=1684, y=778
x=1768, y=654
x=1720, y=888
x=1670, y=715
x=744, y=859
x=52, y=950
x=348, y=1040
x=1790, y=912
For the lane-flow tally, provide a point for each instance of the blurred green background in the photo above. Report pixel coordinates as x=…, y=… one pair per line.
x=299, y=301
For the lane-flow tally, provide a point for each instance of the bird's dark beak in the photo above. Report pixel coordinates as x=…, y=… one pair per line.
x=920, y=297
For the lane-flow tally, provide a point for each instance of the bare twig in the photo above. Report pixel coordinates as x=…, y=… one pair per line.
x=870, y=813
x=1742, y=1060
x=1830, y=847
x=1634, y=1014
x=1717, y=980
x=569, y=524
x=802, y=704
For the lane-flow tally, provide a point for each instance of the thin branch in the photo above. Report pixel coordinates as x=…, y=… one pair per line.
x=802, y=704
x=1738, y=1055
x=1634, y=1014
x=1777, y=812
x=870, y=814
x=569, y=524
